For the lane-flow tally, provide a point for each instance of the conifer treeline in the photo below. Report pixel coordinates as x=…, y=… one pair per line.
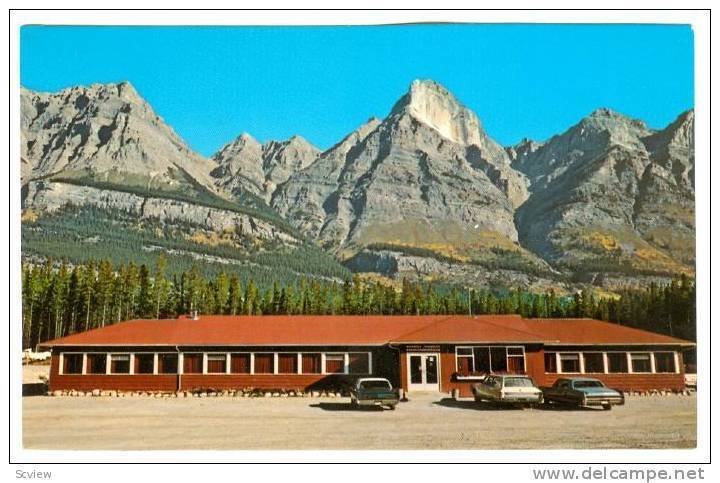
x=59, y=301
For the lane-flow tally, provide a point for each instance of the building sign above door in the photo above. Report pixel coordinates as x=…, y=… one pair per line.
x=423, y=348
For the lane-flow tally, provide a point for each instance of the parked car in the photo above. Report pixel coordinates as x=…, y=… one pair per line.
x=583, y=391
x=507, y=389
x=374, y=391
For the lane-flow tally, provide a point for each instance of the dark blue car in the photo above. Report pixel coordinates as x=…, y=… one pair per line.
x=582, y=391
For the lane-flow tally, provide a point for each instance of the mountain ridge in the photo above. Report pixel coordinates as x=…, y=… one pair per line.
x=424, y=192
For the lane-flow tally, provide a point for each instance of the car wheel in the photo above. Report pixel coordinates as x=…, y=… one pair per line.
x=607, y=407
x=392, y=407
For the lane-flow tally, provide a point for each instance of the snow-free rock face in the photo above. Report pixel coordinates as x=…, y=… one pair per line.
x=423, y=193
x=611, y=194
x=106, y=133
x=239, y=166
x=246, y=165
x=433, y=105
x=303, y=197
x=426, y=177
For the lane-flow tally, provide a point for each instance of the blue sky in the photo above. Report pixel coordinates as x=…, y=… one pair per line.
x=212, y=83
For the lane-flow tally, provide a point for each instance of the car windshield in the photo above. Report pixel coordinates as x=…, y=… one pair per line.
x=518, y=382
x=584, y=384
x=375, y=385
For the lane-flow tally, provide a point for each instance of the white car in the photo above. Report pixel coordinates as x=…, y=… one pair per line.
x=508, y=389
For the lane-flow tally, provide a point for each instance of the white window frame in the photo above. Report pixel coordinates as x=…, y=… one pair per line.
x=488, y=347
x=344, y=357
x=675, y=362
x=604, y=361
x=569, y=353
x=61, y=360
x=277, y=362
x=347, y=365
x=643, y=353
x=133, y=357
x=109, y=363
x=275, y=368
x=156, y=363
x=627, y=359
x=208, y=355
x=322, y=363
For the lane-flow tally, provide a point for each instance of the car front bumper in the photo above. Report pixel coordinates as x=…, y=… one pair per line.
x=603, y=401
x=377, y=402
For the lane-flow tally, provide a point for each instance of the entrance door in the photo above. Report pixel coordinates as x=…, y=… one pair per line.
x=423, y=372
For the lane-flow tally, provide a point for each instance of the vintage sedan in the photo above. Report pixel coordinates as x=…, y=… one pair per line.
x=584, y=392
x=374, y=391
x=508, y=389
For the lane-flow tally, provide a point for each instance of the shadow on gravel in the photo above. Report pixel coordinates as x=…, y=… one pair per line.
x=474, y=405
x=342, y=406
x=489, y=406
x=34, y=389
x=566, y=408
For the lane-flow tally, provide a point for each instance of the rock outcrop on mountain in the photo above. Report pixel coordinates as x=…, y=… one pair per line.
x=611, y=195
x=106, y=133
x=245, y=165
x=99, y=160
x=424, y=193
x=426, y=177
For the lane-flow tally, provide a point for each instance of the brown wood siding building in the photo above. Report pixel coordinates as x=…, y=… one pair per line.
x=427, y=353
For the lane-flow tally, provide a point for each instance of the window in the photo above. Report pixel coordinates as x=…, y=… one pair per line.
x=335, y=363
x=482, y=359
x=192, y=363
x=216, y=363
x=287, y=363
x=144, y=363
x=551, y=362
x=120, y=364
x=359, y=363
x=465, y=364
x=641, y=362
x=265, y=363
x=594, y=362
x=240, y=363
x=570, y=362
x=664, y=362
x=379, y=384
x=617, y=362
x=72, y=363
x=489, y=359
x=498, y=359
x=311, y=364
x=516, y=360
x=96, y=363
x=167, y=363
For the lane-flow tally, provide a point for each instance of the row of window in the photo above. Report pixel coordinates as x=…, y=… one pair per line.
x=486, y=359
x=217, y=363
x=610, y=362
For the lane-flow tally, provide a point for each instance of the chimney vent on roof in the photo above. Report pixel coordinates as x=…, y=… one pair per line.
x=194, y=315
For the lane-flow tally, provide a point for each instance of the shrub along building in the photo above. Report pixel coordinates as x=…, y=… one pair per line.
x=423, y=353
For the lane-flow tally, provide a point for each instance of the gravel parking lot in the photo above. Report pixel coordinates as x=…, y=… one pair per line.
x=428, y=421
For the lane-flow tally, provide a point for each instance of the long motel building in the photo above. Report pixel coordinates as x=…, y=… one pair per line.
x=436, y=353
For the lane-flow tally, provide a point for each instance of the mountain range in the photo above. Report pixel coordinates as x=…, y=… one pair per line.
x=424, y=193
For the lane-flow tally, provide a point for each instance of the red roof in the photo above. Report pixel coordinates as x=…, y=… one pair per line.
x=591, y=332
x=458, y=329
x=213, y=330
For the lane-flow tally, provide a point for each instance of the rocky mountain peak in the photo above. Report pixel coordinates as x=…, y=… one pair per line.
x=617, y=128
x=105, y=133
x=432, y=104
